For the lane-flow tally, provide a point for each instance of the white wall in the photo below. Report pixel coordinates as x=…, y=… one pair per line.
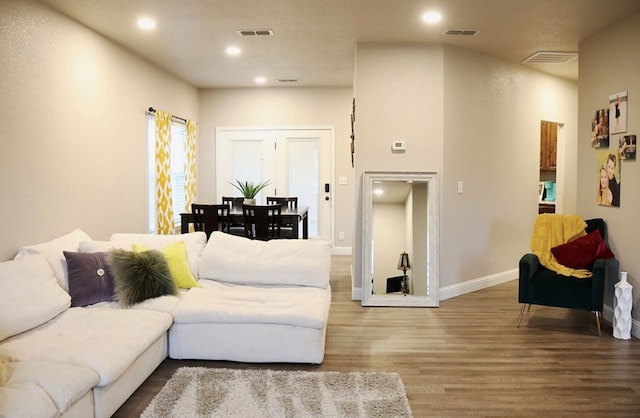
x=74, y=129
x=293, y=106
x=492, y=114
x=475, y=119
x=610, y=63
x=398, y=90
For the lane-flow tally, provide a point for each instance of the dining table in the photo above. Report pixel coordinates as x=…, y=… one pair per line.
x=293, y=216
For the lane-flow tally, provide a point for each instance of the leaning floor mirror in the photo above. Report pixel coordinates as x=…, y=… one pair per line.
x=400, y=239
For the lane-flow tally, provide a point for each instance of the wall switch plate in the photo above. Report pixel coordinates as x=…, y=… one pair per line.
x=342, y=180
x=460, y=187
x=341, y=236
x=399, y=146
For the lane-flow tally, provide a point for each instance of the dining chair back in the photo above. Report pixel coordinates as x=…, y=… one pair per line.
x=209, y=218
x=235, y=205
x=262, y=222
x=291, y=202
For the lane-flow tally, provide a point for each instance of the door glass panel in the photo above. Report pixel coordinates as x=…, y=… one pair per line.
x=304, y=177
x=246, y=157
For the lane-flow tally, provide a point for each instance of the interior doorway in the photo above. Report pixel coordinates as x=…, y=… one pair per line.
x=549, y=188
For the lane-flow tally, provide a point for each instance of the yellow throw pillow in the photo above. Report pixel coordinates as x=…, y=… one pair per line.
x=176, y=256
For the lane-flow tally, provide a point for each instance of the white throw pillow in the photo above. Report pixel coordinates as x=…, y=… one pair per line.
x=53, y=252
x=280, y=262
x=29, y=295
x=194, y=244
x=102, y=246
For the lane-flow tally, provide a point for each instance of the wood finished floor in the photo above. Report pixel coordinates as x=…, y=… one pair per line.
x=467, y=358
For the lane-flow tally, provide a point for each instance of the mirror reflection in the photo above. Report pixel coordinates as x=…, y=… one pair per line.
x=396, y=238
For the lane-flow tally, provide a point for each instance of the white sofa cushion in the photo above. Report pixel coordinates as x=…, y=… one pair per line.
x=289, y=262
x=26, y=400
x=194, y=244
x=29, y=295
x=63, y=383
x=104, y=340
x=215, y=302
x=52, y=251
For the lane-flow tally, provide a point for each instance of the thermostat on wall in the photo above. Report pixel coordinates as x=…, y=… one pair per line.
x=399, y=146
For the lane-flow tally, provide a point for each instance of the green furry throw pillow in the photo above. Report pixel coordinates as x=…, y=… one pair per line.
x=140, y=276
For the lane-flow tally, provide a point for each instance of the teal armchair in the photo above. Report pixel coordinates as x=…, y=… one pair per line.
x=541, y=286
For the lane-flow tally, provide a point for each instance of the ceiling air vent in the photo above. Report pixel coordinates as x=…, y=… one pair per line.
x=549, y=57
x=462, y=32
x=287, y=80
x=256, y=32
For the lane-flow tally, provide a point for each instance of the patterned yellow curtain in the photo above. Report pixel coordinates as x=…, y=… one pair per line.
x=190, y=165
x=164, y=201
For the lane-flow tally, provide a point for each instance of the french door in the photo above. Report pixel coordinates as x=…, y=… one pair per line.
x=296, y=162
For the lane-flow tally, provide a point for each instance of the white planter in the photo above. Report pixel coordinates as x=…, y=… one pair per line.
x=622, y=304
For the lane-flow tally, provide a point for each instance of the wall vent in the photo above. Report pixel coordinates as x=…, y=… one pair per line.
x=255, y=32
x=550, y=57
x=287, y=80
x=461, y=32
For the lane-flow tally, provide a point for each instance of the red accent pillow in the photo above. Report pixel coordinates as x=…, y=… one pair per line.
x=582, y=252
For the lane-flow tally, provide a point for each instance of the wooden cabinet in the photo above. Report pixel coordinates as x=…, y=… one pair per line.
x=546, y=208
x=548, y=146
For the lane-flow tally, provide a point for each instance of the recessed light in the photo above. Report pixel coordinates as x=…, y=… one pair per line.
x=378, y=192
x=260, y=80
x=432, y=17
x=146, y=23
x=233, y=50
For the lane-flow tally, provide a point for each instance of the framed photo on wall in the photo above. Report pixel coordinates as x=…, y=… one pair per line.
x=600, y=128
x=627, y=148
x=618, y=112
x=608, y=175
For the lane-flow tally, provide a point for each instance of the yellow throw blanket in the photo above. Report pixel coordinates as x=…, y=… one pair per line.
x=551, y=230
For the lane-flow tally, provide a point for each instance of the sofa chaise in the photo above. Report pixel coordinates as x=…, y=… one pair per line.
x=249, y=301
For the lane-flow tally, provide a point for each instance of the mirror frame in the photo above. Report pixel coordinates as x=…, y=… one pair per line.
x=433, y=238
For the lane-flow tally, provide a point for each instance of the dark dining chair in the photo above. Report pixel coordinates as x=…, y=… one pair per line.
x=209, y=218
x=235, y=205
x=262, y=222
x=291, y=202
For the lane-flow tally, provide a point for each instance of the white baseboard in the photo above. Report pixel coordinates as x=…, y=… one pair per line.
x=459, y=289
x=607, y=314
x=480, y=283
x=341, y=250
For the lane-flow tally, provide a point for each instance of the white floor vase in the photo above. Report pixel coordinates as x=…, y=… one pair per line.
x=622, y=308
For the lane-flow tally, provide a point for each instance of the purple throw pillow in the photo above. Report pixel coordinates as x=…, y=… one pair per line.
x=90, y=278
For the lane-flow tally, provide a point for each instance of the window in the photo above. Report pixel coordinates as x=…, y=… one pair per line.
x=178, y=155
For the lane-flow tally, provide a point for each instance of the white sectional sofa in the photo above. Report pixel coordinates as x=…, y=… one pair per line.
x=249, y=301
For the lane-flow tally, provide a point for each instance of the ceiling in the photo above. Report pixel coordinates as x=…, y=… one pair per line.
x=391, y=191
x=314, y=41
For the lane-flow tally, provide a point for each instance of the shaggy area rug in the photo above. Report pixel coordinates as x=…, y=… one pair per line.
x=204, y=392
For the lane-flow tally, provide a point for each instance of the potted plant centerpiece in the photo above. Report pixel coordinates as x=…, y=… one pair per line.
x=249, y=190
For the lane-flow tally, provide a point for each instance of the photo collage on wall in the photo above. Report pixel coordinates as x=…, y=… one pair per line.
x=608, y=127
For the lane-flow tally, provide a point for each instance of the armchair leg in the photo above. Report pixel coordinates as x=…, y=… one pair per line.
x=598, y=323
x=524, y=305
